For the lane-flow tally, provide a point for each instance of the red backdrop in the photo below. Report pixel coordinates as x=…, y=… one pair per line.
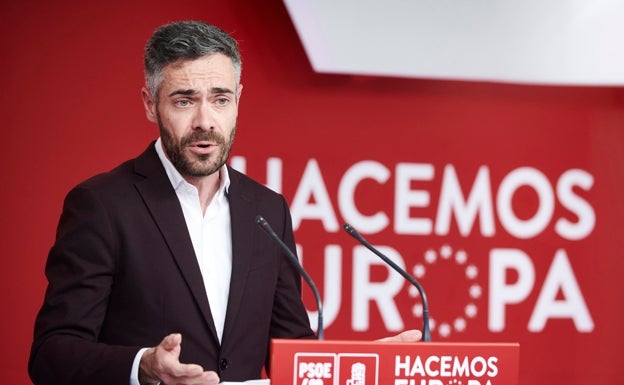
x=538, y=261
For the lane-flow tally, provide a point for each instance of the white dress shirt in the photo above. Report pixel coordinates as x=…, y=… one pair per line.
x=210, y=234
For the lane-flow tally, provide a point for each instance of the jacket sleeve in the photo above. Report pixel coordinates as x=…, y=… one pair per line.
x=80, y=271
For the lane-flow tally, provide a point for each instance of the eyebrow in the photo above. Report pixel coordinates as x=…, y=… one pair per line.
x=192, y=91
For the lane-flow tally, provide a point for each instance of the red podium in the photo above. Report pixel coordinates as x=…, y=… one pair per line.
x=311, y=362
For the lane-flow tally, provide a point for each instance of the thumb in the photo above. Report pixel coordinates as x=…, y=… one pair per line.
x=172, y=341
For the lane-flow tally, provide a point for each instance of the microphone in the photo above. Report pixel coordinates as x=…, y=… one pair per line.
x=264, y=225
x=355, y=234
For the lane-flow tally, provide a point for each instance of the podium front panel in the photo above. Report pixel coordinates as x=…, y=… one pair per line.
x=311, y=362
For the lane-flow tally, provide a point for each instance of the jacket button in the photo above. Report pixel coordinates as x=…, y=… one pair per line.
x=223, y=364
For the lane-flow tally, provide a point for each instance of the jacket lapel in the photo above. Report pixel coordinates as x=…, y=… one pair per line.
x=162, y=202
x=242, y=214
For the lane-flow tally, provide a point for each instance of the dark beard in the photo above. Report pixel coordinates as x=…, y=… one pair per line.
x=196, y=166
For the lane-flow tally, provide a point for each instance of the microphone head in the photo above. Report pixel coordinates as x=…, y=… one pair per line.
x=353, y=232
x=260, y=220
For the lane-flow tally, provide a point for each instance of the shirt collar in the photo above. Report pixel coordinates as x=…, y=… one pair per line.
x=177, y=180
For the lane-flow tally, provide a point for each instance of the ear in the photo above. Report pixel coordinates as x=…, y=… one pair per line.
x=239, y=91
x=149, y=105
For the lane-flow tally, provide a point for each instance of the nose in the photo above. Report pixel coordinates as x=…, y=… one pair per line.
x=204, y=118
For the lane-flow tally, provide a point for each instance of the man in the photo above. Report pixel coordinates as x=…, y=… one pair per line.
x=163, y=251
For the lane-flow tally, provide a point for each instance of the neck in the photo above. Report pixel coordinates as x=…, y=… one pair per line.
x=207, y=187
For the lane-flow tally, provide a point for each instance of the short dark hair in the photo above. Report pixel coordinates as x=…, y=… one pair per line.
x=186, y=40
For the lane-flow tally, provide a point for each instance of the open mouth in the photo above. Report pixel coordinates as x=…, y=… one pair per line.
x=203, y=148
x=205, y=144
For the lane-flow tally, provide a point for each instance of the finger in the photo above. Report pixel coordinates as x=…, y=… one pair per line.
x=410, y=336
x=406, y=336
x=185, y=371
x=191, y=375
x=211, y=378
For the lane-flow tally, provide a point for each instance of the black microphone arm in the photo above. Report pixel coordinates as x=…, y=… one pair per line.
x=426, y=334
x=264, y=225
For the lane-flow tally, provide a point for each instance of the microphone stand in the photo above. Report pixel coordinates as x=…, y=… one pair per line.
x=264, y=225
x=355, y=234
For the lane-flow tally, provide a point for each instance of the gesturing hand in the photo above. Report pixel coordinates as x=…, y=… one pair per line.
x=162, y=363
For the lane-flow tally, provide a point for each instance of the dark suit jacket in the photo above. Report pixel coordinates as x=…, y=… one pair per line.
x=123, y=274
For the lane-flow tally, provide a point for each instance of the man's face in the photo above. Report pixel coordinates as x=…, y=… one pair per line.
x=196, y=113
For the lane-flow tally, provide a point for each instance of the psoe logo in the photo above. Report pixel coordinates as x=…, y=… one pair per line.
x=314, y=369
x=336, y=369
x=358, y=369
